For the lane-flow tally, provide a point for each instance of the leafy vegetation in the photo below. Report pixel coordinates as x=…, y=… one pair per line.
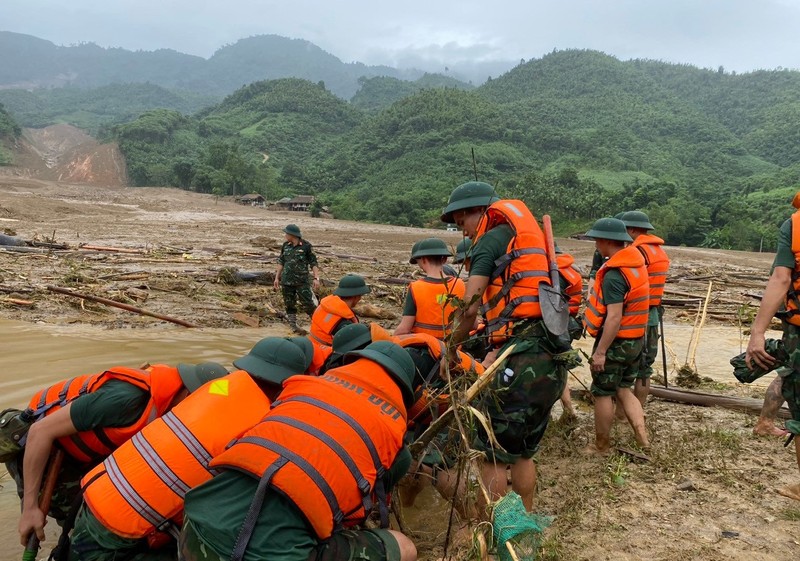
x=711, y=156
x=9, y=131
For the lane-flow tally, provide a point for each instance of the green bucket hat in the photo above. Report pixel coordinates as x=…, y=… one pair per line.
x=352, y=337
x=273, y=359
x=395, y=360
x=619, y=215
x=429, y=247
x=742, y=372
x=637, y=219
x=609, y=229
x=293, y=230
x=195, y=375
x=14, y=425
x=351, y=285
x=469, y=195
x=463, y=250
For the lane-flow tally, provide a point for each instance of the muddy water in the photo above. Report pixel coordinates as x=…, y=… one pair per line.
x=35, y=355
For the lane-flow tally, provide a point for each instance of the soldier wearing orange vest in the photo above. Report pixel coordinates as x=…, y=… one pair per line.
x=782, y=298
x=88, y=417
x=657, y=263
x=428, y=306
x=294, y=486
x=572, y=288
x=133, y=501
x=508, y=262
x=616, y=315
x=332, y=314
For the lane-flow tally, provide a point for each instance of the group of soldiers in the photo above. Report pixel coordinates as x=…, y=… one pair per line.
x=287, y=456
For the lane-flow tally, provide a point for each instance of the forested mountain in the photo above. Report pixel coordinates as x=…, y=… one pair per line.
x=382, y=91
x=29, y=63
x=9, y=131
x=579, y=134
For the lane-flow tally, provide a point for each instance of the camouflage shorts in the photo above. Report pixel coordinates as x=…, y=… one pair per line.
x=622, y=364
x=790, y=387
x=525, y=389
x=645, y=369
x=66, y=492
x=293, y=293
x=91, y=541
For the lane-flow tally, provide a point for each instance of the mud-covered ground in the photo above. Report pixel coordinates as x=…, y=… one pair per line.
x=181, y=249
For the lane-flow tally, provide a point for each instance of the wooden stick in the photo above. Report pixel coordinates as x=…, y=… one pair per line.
x=744, y=404
x=120, y=305
x=113, y=249
x=700, y=327
x=435, y=427
x=17, y=301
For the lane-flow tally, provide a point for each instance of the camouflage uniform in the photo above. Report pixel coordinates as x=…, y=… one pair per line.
x=622, y=363
x=791, y=382
x=296, y=261
x=651, y=344
x=525, y=389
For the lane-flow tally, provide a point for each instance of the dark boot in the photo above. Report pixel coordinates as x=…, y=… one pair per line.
x=292, y=319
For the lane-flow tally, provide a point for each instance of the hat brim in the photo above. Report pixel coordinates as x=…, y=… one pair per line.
x=598, y=235
x=296, y=234
x=393, y=367
x=472, y=202
x=349, y=292
x=263, y=370
x=429, y=253
x=642, y=225
x=355, y=344
x=191, y=378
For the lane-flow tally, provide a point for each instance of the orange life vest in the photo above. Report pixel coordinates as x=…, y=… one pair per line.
x=139, y=489
x=513, y=291
x=574, y=290
x=326, y=317
x=635, y=306
x=426, y=400
x=657, y=263
x=434, y=307
x=793, y=296
x=327, y=443
x=161, y=381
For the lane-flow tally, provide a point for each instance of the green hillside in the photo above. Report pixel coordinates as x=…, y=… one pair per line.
x=9, y=131
x=578, y=134
x=381, y=92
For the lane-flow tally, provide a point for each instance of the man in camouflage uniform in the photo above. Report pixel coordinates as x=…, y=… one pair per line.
x=781, y=291
x=297, y=256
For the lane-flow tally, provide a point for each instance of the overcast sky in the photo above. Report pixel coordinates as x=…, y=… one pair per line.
x=740, y=35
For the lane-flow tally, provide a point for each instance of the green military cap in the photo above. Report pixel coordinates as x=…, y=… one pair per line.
x=609, y=229
x=395, y=360
x=195, y=375
x=293, y=230
x=619, y=215
x=351, y=285
x=463, y=250
x=14, y=425
x=469, y=195
x=774, y=348
x=273, y=359
x=637, y=219
x=351, y=337
x=429, y=247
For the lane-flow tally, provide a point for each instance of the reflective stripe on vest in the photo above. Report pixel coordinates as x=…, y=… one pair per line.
x=432, y=299
x=513, y=290
x=574, y=280
x=339, y=433
x=160, y=381
x=140, y=488
x=657, y=263
x=635, y=306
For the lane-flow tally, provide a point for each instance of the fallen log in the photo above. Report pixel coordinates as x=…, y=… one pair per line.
x=115, y=304
x=394, y=280
x=744, y=404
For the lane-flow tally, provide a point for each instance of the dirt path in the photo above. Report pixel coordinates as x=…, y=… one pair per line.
x=186, y=239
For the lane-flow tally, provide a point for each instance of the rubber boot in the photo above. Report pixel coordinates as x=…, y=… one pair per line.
x=292, y=319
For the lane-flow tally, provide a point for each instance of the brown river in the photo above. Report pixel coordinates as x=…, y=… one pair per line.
x=35, y=355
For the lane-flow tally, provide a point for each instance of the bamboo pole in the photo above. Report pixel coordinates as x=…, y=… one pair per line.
x=120, y=305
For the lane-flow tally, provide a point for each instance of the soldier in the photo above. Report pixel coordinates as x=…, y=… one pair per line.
x=297, y=256
x=572, y=287
x=657, y=263
x=428, y=306
x=616, y=315
x=782, y=291
x=508, y=262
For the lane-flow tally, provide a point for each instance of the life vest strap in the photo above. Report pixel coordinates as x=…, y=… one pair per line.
x=509, y=284
x=318, y=340
x=502, y=262
x=506, y=316
x=250, y=519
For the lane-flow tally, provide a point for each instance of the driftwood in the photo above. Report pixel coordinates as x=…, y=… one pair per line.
x=394, y=280
x=697, y=297
x=115, y=304
x=24, y=249
x=111, y=249
x=744, y=404
x=17, y=301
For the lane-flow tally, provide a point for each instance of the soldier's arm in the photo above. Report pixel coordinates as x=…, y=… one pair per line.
x=38, y=446
x=464, y=320
x=610, y=330
x=405, y=325
x=778, y=285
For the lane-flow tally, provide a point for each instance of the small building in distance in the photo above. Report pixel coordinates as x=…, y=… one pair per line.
x=251, y=199
x=299, y=203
